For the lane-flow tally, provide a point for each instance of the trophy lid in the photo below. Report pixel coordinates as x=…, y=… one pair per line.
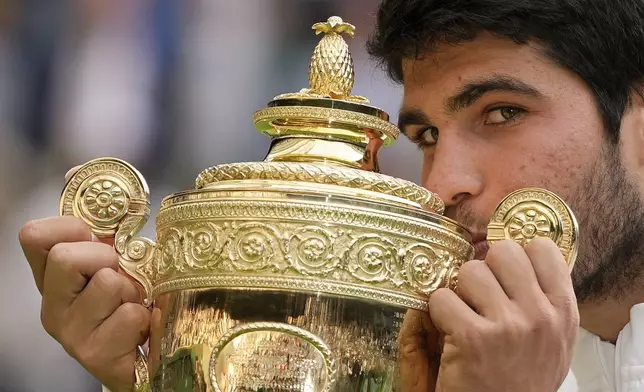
x=327, y=107
x=325, y=135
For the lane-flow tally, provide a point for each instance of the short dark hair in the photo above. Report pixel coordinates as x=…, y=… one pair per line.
x=602, y=41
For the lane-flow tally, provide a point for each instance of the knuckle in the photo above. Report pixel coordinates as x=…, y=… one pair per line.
x=29, y=234
x=57, y=328
x=60, y=255
x=470, y=270
x=475, y=335
x=513, y=331
x=134, y=315
x=77, y=226
x=47, y=320
x=501, y=250
x=570, y=311
x=87, y=354
x=74, y=227
x=438, y=297
x=106, y=280
x=503, y=247
x=569, y=305
x=540, y=243
x=543, y=320
x=104, y=252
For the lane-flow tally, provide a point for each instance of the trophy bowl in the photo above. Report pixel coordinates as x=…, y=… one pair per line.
x=294, y=273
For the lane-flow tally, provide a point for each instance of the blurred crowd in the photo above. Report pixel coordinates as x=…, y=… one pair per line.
x=168, y=85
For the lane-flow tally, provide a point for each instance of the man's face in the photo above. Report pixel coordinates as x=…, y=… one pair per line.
x=493, y=116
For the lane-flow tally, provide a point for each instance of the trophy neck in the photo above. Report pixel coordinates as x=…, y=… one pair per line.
x=323, y=130
x=359, y=153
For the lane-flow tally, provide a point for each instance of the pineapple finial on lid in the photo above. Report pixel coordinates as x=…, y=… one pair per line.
x=331, y=73
x=334, y=24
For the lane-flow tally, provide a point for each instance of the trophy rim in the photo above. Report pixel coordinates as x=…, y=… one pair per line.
x=331, y=103
x=301, y=191
x=325, y=113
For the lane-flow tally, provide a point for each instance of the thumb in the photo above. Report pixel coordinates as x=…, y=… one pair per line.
x=71, y=172
x=419, y=353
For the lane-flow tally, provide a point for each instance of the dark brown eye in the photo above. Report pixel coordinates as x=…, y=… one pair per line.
x=430, y=135
x=503, y=115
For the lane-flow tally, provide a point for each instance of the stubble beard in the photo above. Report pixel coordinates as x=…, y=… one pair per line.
x=610, y=212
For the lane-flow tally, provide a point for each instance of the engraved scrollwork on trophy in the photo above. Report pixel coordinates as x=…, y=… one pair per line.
x=137, y=253
x=171, y=251
x=204, y=243
x=253, y=247
x=425, y=269
x=371, y=258
x=310, y=251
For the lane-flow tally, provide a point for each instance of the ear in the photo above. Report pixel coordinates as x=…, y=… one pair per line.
x=632, y=137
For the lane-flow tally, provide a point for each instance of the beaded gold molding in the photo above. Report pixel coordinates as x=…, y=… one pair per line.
x=322, y=174
x=360, y=120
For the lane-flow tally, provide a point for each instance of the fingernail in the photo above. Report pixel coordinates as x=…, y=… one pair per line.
x=71, y=172
x=95, y=238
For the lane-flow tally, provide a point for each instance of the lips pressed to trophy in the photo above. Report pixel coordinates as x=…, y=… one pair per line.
x=298, y=272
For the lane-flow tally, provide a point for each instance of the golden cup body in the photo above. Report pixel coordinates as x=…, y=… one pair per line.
x=295, y=273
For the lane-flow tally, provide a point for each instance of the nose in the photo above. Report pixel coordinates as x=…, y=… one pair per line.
x=452, y=171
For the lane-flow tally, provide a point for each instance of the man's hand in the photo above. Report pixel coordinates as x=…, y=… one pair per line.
x=511, y=327
x=94, y=312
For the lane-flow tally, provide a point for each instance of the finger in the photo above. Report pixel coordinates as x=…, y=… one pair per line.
x=479, y=288
x=71, y=172
x=39, y=236
x=128, y=326
x=419, y=353
x=550, y=267
x=156, y=335
x=513, y=270
x=121, y=332
x=69, y=268
x=105, y=292
x=448, y=312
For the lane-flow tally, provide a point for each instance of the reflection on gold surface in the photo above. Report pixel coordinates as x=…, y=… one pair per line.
x=360, y=335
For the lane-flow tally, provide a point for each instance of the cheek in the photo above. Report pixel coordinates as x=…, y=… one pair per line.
x=427, y=165
x=551, y=155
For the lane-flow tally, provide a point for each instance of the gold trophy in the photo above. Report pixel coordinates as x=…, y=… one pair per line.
x=294, y=273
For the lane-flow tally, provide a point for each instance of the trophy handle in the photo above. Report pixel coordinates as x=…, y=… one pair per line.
x=112, y=197
x=530, y=213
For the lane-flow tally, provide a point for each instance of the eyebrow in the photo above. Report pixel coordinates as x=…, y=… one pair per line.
x=467, y=96
x=473, y=91
x=412, y=116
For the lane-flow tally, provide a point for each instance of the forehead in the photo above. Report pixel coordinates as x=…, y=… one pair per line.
x=448, y=67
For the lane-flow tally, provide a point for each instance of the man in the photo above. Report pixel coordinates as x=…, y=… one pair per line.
x=502, y=94
x=499, y=94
